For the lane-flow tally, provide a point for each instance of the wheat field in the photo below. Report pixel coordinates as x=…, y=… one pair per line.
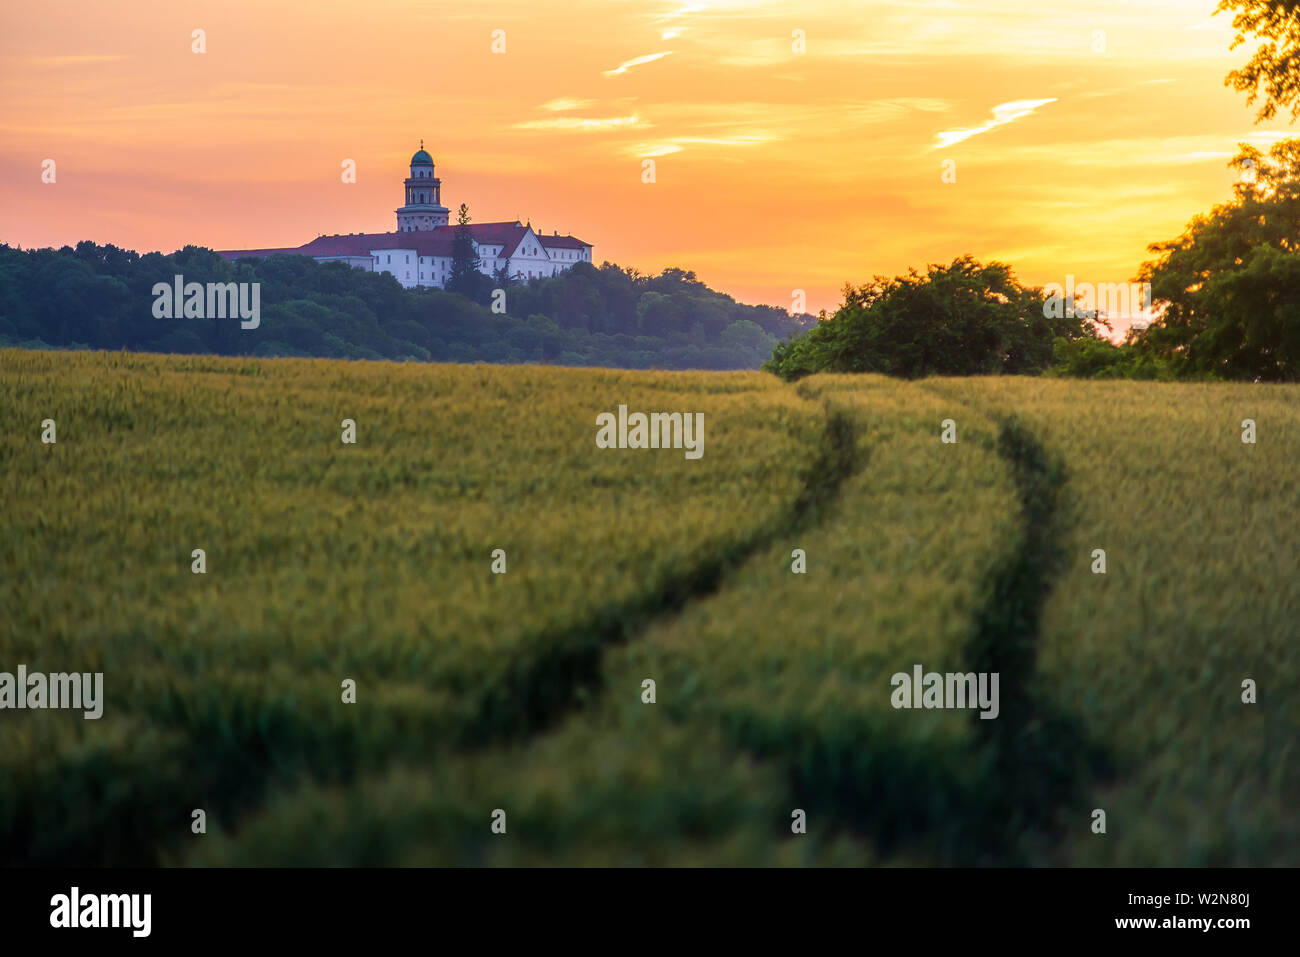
x=497, y=590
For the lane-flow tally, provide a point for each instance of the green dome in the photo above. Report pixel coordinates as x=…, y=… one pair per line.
x=421, y=158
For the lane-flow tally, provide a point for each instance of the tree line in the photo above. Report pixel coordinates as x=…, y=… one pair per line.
x=100, y=297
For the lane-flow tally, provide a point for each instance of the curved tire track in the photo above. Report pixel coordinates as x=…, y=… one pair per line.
x=1032, y=760
x=561, y=669
x=1030, y=763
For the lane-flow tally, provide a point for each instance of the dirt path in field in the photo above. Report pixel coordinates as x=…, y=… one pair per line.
x=1034, y=759
x=1032, y=762
x=1040, y=754
x=559, y=670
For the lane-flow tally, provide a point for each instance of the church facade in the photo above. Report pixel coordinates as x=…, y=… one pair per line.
x=419, y=253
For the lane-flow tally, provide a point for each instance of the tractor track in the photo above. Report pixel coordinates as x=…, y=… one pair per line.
x=1031, y=763
x=560, y=669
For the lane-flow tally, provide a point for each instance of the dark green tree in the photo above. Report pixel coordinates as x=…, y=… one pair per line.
x=465, y=274
x=966, y=318
x=658, y=314
x=1228, y=289
x=501, y=275
x=1274, y=70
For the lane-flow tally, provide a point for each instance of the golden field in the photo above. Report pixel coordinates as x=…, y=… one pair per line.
x=523, y=691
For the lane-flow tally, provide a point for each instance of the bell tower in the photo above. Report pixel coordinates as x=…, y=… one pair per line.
x=423, y=209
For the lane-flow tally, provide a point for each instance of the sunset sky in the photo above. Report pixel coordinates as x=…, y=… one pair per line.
x=776, y=170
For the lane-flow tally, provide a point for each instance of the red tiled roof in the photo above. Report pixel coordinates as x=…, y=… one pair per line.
x=509, y=236
x=563, y=242
x=425, y=243
x=506, y=235
x=431, y=242
x=358, y=244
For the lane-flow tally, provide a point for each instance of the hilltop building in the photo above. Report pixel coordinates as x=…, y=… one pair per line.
x=419, y=253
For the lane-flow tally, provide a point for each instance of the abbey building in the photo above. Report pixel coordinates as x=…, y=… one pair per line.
x=419, y=253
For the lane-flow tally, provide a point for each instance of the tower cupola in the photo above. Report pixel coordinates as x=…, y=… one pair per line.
x=423, y=209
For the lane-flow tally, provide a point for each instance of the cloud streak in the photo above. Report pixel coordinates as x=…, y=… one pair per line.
x=563, y=103
x=636, y=61
x=675, y=145
x=581, y=124
x=1003, y=114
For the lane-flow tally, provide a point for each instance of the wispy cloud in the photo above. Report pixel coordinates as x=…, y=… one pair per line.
x=563, y=103
x=1267, y=137
x=1003, y=114
x=582, y=124
x=796, y=118
x=654, y=149
x=1134, y=154
x=676, y=145
x=637, y=61
x=684, y=10
x=1198, y=156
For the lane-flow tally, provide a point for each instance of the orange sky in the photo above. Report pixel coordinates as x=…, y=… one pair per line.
x=776, y=170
